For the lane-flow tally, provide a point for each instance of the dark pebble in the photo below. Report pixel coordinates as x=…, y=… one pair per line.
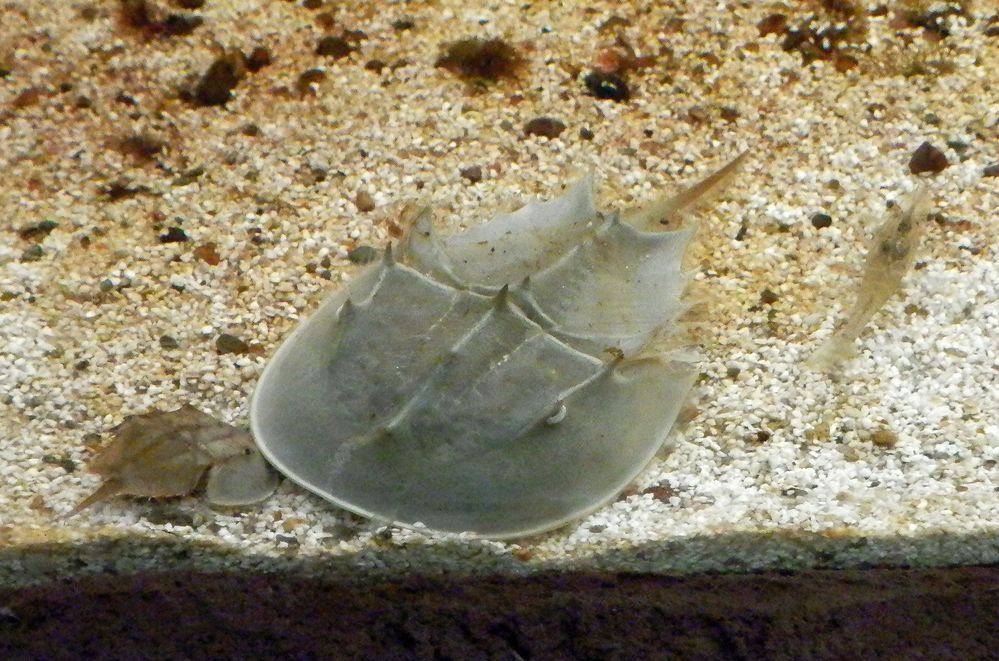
x=364, y=202
x=32, y=254
x=362, y=255
x=64, y=462
x=121, y=189
x=163, y=515
x=821, y=220
x=585, y=133
x=28, y=98
x=168, y=342
x=768, y=297
x=259, y=58
x=960, y=147
x=226, y=343
x=188, y=177
x=729, y=114
x=772, y=24
x=698, y=114
x=927, y=158
x=607, y=86
x=403, y=24
x=547, y=127
x=290, y=540
x=37, y=231
x=482, y=59
x=173, y=235
x=472, y=173
x=141, y=146
x=991, y=170
x=180, y=25
x=125, y=99
x=309, y=78
x=335, y=47
x=215, y=87
x=189, y=4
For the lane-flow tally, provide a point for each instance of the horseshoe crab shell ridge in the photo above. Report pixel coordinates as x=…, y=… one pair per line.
x=501, y=382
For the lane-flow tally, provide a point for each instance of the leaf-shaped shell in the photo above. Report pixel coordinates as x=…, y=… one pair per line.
x=496, y=382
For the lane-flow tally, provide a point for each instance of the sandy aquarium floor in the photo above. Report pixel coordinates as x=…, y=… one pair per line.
x=176, y=172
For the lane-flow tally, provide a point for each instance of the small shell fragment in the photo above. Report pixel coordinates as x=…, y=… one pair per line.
x=501, y=381
x=164, y=454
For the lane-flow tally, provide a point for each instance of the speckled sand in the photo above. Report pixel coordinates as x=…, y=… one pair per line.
x=896, y=461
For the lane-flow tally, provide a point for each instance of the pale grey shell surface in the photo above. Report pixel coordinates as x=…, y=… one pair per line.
x=501, y=381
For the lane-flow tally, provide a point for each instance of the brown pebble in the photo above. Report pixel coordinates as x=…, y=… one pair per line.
x=326, y=20
x=768, y=297
x=307, y=79
x=884, y=438
x=226, y=343
x=208, y=254
x=259, y=58
x=335, y=47
x=215, y=87
x=547, y=127
x=729, y=114
x=661, y=492
x=481, y=59
x=472, y=173
x=37, y=231
x=772, y=24
x=698, y=114
x=121, y=189
x=27, y=98
x=927, y=158
x=141, y=146
x=991, y=170
x=364, y=202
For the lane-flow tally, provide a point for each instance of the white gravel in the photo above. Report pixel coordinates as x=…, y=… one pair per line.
x=895, y=461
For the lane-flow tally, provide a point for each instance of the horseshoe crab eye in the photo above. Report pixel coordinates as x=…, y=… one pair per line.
x=559, y=414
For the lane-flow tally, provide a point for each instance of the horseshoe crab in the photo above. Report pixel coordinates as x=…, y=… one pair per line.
x=501, y=381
